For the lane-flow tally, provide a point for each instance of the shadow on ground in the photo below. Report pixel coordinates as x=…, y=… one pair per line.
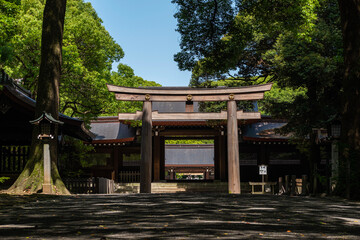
x=177, y=216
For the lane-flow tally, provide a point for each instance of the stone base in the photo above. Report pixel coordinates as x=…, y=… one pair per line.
x=47, y=189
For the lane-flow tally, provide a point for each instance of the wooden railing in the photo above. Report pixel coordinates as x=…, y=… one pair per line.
x=13, y=158
x=81, y=185
x=129, y=176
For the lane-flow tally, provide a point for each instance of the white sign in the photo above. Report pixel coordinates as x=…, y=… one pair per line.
x=262, y=170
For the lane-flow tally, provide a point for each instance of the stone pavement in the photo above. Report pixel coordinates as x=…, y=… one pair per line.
x=177, y=216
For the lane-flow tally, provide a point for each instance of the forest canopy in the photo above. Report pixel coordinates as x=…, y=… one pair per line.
x=88, y=55
x=295, y=44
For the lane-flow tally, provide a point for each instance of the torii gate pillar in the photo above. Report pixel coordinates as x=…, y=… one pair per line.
x=146, y=149
x=233, y=149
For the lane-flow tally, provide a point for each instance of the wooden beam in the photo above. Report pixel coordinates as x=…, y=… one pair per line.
x=146, y=149
x=233, y=150
x=190, y=116
x=167, y=91
x=131, y=116
x=183, y=97
x=204, y=116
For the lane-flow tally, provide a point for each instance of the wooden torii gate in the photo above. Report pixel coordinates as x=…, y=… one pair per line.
x=185, y=94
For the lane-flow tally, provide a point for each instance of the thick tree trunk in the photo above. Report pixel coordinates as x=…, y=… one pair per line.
x=350, y=137
x=30, y=180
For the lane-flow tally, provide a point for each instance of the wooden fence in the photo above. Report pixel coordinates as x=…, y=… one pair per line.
x=13, y=158
x=129, y=176
x=81, y=185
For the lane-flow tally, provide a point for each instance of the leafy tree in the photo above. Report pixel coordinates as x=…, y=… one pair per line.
x=125, y=76
x=294, y=43
x=228, y=37
x=8, y=11
x=87, y=51
x=30, y=180
x=88, y=54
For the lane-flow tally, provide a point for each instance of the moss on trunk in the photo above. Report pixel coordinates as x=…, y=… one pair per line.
x=31, y=178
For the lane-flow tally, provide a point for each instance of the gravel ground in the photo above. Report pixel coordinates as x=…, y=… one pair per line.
x=177, y=216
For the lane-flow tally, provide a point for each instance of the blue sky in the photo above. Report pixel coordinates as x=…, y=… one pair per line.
x=145, y=29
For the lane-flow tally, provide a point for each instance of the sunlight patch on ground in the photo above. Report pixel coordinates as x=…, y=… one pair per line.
x=109, y=212
x=184, y=202
x=200, y=221
x=340, y=207
x=12, y=226
x=106, y=204
x=259, y=208
x=350, y=221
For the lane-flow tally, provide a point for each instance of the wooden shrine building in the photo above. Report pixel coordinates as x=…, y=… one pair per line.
x=17, y=108
x=150, y=163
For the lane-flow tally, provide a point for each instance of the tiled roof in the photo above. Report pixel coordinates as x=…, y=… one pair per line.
x=264, y=131
x=20, y=97
x=106, y=129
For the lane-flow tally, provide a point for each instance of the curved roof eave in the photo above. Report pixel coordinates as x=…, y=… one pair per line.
x=72, y=126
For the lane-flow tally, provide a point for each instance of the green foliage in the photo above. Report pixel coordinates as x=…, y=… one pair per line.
x=180, y=176
x=313, y=66
x=125, y=76
x=201, y=24
x=8, y=11
x=88, y=54
x=3, y=179
x=190, y=141
x=227, y=38
x=296, y=44
x=73, y=155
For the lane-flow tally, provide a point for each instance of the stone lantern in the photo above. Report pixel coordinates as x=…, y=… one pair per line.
x=47, y=125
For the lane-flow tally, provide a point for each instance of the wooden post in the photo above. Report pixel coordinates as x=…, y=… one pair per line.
x=222, y=158
x=293, y=185
x=305, y=187
x=233, y=149
x=162, y=158
x=218, y=154
x=47, y=170
x=146, y=149
x=287, y=184
x=172, y=174
x=281, y=186
x=157, y=149
x=207, y=174
x=116, y=159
